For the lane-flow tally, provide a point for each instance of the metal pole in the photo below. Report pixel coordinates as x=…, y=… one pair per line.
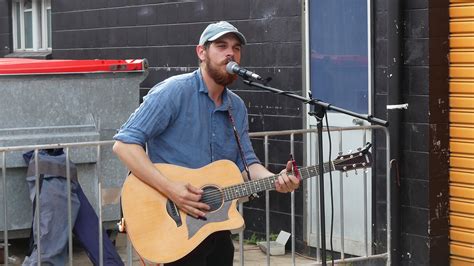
x=322, y=206
x=267, y=205
x=101, y=244
x=317, y=213
x=341, y=201
x=389, y=200
x=129, y=252
x=364, y=182
x=5, y=212
x=292, y=150
x=241, y=236
x=37, y=211
x=69, y=207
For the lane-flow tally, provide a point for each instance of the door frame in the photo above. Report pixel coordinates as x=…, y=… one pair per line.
x=307, y=120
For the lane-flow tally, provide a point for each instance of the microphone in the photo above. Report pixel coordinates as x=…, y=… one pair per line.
x=234, y=68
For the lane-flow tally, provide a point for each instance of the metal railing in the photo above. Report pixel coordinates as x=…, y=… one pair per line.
x=99, y=144
x=66, y=147
x=291, y=133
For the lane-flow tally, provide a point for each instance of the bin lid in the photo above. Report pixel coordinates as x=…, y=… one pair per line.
x=15, y=66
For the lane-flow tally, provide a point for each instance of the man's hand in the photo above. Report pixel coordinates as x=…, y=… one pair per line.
x=287, y=182
x=187, y=197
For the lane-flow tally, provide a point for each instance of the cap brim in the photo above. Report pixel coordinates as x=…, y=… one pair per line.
x=220, y=34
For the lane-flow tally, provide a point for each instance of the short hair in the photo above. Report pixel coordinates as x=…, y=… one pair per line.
x=206, y=46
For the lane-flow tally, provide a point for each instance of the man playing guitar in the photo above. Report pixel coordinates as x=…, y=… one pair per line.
x=188, y=120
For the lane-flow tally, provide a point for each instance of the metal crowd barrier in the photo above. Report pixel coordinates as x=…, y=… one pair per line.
x=306, y=132
x=99, y=144
x=66, y=147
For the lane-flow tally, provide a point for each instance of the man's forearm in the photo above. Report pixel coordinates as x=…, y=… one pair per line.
x=257, y=171
x=137, y=161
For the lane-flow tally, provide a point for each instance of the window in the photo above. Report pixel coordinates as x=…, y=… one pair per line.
x=339, y=56
x=31, y=25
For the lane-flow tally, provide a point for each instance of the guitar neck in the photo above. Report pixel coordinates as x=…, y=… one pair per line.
x=248, y=188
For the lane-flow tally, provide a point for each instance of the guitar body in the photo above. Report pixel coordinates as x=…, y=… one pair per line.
x=160, y=232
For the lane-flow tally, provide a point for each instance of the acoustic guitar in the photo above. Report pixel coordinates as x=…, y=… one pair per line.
x=161, y=233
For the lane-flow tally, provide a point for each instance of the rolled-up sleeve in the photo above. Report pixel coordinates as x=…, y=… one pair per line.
x=149, y=119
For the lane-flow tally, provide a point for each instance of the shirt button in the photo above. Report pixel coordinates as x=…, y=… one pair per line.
x=213, y=134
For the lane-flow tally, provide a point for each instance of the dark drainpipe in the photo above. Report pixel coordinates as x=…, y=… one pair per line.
x=394, y=77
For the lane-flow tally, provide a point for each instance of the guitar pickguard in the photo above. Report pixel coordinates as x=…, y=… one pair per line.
x=194, y=225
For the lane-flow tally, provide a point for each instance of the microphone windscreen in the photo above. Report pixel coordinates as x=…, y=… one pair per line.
x=230, y=67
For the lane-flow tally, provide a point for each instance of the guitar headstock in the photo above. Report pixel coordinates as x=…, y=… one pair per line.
x=362, y=158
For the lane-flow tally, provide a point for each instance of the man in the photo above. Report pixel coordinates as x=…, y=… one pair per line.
x=187, y=120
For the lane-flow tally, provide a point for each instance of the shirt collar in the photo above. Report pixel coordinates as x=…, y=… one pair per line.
x=203, y=89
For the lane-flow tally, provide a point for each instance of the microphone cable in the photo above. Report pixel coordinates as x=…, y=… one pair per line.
x=331, y=189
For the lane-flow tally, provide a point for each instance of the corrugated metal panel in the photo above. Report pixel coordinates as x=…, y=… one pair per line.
x=461, y=102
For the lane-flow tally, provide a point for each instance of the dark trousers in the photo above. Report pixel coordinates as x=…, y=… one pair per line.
x=217, y=249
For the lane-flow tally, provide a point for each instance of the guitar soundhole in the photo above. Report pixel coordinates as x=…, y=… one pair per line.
x=212, y=196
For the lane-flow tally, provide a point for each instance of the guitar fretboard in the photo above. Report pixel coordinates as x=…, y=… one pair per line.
x=255, y=186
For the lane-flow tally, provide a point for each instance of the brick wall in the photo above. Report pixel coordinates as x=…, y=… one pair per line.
x=423, y=190
x=166, y=33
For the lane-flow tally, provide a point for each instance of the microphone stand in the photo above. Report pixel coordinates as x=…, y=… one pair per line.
x=319, y=110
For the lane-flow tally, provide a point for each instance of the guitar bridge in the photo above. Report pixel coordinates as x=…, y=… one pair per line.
x=173, y=212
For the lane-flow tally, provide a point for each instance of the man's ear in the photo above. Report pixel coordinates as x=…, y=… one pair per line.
x=200, y=51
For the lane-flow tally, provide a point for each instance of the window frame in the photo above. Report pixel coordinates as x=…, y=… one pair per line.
x=40, y=30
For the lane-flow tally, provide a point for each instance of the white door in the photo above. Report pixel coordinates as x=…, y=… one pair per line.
x=338, y=71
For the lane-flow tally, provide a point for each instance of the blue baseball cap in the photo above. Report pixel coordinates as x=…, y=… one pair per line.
x=216, y=30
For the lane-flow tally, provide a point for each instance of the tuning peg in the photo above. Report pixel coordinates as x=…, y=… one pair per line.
x=355, y=171
x=350, y=151
x=359, y=149
x=347, y=174
x=366, y=170
x=340, y=153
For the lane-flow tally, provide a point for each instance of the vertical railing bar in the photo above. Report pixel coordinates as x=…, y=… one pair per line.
x=99, y=200
x=292, y=151
x=5, y=212
x=241, y=236
x=364, y=180
x=389, y=201
x=267, y=204
x=69, y=207
x=309, y=218
x=129, y=252
x=341, y=201
x=318, y=208
x=37, y=211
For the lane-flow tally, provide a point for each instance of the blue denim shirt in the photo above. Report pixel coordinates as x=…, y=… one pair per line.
x=181, y=125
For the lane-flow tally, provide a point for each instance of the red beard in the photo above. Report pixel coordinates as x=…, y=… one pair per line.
x=218, y=75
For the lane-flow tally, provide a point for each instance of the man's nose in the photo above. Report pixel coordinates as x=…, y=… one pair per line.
x=230, y=58
x=230, y=52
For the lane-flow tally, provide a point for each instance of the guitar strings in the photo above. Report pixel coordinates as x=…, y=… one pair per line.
x=216, y=196
x=220, y=195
